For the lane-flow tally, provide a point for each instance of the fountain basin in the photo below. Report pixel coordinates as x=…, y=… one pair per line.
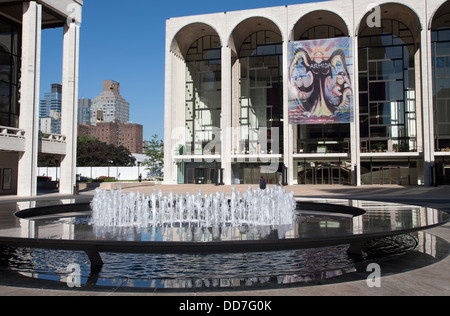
x=318, y=224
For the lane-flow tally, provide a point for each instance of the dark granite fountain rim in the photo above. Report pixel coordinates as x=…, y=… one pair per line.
x=85, y=207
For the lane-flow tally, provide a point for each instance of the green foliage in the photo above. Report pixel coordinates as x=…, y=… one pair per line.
x=93, y=153
x=155, y=154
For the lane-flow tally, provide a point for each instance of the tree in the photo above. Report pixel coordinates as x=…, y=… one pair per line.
x=155, y=154
x=93, y=153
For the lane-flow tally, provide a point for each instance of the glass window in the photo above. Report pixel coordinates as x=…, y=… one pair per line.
x=203, y=94
x=261, y=99
x=441, y=86
x=9, y=73
x=387, y=73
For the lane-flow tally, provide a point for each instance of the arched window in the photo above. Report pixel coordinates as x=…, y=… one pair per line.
x=261, y=91
x=321, y=32
x=203, y=93
x=440, y=39
x=387, y=90
x=311, y=138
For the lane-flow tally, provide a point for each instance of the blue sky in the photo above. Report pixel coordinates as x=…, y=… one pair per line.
x=125, y=42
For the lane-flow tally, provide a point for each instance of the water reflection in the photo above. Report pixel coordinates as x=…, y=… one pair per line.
x=379, y=218
x=224, y=271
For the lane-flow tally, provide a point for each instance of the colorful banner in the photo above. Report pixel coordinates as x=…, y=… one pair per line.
x=320, y=86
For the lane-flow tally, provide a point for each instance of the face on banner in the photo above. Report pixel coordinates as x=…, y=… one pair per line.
x=320, y=86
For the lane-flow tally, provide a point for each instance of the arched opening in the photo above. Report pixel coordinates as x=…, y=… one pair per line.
x=440, y=47
x=203, y=93
x=319, y=25
x=389, y=97
x=258, y=107
x=321, y=138
x=197, y=97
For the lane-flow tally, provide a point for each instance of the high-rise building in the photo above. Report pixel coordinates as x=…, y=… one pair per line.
x=50, y=111
x=84, y=111
x=110, y=106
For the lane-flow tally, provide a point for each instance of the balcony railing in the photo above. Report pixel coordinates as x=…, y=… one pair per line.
x=12, y=132
x=52, y=143
x=12, y=139
x=53, y=138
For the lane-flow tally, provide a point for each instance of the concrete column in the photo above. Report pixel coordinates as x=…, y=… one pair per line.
x=288, y=132
x=174, y=117
x=168, y=152
x=69, y=107
x=226, y=114
x=29, y=97
x=355, y=137
x=427, y=104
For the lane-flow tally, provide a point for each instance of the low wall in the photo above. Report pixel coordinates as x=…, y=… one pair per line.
x=118, y=173
x=124, y=185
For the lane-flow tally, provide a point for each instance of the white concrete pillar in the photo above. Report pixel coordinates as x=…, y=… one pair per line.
x=227, y=134
x=29, y=97
x=427, y=105
x=168, y=153
x=69, y=107
x=174, y=117
x=288, y=129
x=355, y=137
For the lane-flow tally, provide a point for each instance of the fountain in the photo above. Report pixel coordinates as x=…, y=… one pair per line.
x=266, y=235
x=272, y=207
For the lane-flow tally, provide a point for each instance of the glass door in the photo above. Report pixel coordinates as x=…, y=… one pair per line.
x=190, y=176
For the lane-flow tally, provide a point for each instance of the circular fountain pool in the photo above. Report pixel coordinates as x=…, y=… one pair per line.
x=325, y=240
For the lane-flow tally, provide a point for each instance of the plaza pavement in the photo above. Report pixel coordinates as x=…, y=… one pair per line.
x=431, y=280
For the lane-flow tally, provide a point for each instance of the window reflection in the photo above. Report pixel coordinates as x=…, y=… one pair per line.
x=203, y=94
x=261, y=93
x=9, y=74
x=441, y=87
x=387, y=88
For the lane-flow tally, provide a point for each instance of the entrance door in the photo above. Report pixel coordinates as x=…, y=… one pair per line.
x=390, y=175
x=200, y=176
x=310, y=176
x=376, y=175
x=190, y=176
x=251, y=175
x=335, y=175
x=212, y=179
x=323, y=175
x=447, y=175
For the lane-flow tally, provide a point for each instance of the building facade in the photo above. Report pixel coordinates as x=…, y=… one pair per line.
x=127, y=135
x=21, y=24
x=50, y=111
x=84, y=111
x=231, y=77
x=110, y=106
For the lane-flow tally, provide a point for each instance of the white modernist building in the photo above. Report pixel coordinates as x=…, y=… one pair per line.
x=21, y=23
x=228, y=91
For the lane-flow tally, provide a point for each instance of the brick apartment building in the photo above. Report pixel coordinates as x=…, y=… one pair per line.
x=128, y=135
